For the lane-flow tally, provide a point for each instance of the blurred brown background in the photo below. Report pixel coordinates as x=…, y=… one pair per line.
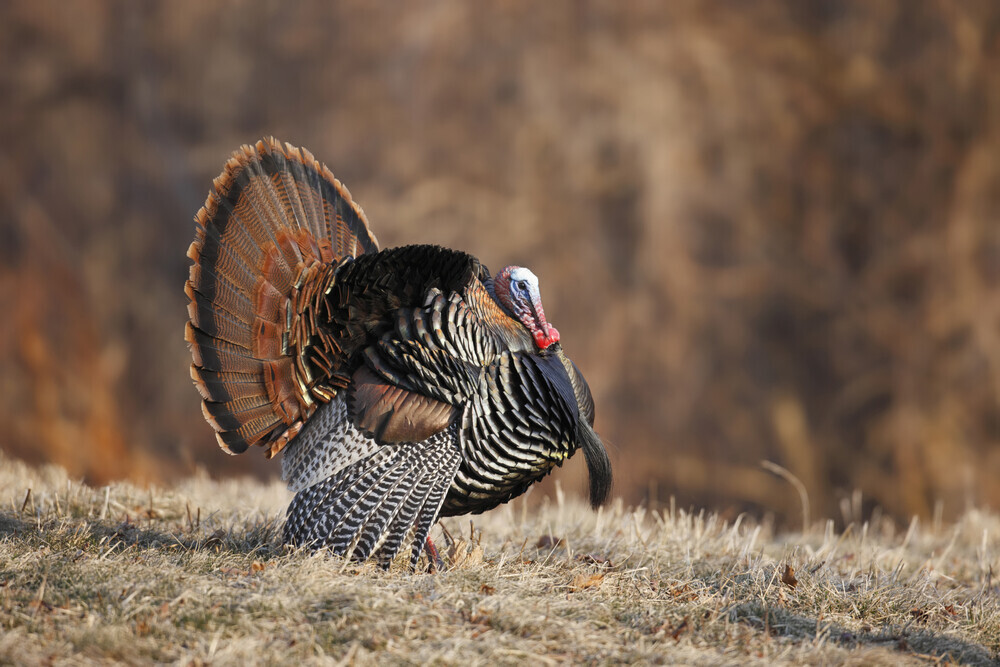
x=765, y=230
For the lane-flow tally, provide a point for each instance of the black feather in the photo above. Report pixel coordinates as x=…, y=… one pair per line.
x=598, y=464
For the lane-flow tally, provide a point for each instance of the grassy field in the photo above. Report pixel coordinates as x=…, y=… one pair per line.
x=196, y=574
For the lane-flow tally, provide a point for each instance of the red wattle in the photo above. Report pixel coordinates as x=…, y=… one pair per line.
x=544, y=339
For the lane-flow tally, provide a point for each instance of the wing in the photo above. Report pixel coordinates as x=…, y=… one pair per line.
x=429, y=327
x=374, y=503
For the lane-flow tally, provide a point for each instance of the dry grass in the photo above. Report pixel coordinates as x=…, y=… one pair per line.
x=196, y=574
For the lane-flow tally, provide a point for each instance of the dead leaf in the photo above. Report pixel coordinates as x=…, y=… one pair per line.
x=788, y=576
x=683, y=593
x=486, y=589
x=480, y=619
x=582, y=581
x=463, y=554
x=257, y=566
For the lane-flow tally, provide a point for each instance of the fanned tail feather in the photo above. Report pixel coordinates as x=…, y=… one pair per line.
x=275, y=221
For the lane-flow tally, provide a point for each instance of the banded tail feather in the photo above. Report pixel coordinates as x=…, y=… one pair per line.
x=401, y=384
x=274, y=226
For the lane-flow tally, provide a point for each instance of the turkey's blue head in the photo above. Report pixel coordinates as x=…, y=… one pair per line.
x=516, y=289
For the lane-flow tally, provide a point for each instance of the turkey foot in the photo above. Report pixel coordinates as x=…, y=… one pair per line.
x=434, y=564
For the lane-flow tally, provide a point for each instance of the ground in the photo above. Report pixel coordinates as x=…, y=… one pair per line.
x=196, y=574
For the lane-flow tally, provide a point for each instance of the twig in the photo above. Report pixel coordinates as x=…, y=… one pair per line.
x=786, y=475
x=447, y=535
x=107, y=501
x=41, y=594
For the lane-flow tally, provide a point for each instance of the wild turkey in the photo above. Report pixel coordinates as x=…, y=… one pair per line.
x=402, y=385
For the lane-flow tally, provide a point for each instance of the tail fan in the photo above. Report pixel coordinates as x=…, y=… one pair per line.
x=273, y=229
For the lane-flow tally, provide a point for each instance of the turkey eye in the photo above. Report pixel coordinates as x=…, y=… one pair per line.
x=521, y=286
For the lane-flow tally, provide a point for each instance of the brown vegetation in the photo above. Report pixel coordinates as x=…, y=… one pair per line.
x=765, y=230
x=195, y=574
